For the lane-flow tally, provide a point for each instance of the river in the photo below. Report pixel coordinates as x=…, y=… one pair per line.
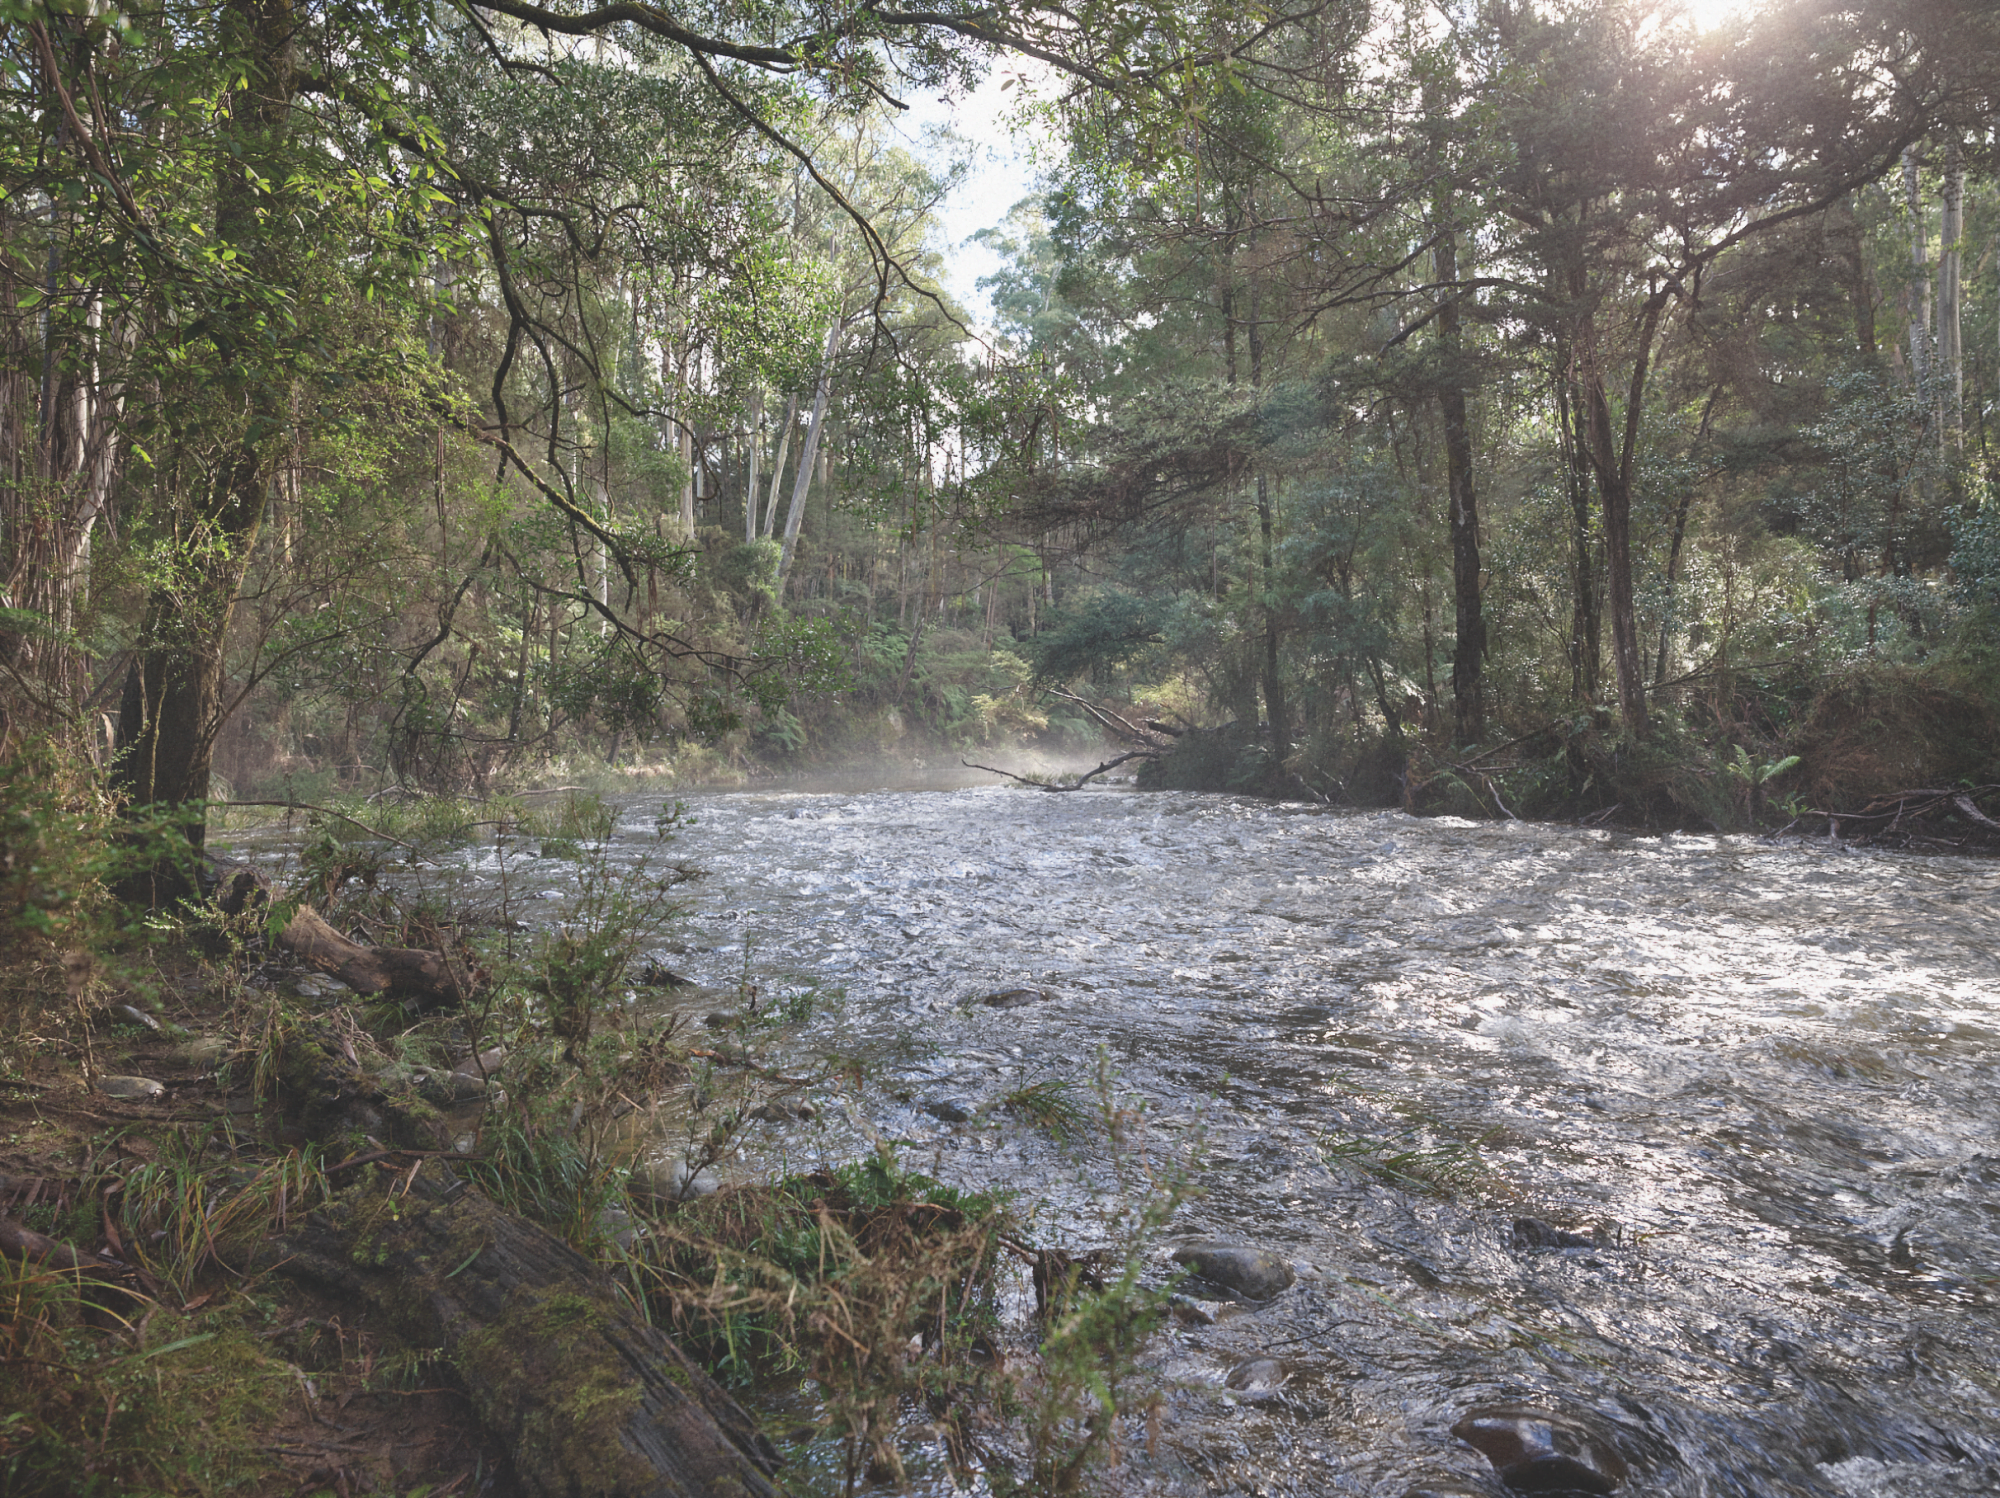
x=1758, y=1078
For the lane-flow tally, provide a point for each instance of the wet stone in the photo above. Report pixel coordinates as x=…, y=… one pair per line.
x=1259, y=1375
x=1249, y=1272
x=133, y=1089
x=1533, y=1234
x=1016, y=998
x=670, y=1181
x=1537, y=1451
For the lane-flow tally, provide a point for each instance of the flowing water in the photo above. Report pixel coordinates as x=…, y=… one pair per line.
x=1757, y=1082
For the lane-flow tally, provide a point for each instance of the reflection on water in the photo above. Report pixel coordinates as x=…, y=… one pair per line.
x=1756, y=1083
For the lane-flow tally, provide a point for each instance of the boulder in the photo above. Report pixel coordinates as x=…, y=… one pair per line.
x=1538, y=1451
x=1249, y=1272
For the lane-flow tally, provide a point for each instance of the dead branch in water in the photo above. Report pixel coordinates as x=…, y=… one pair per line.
x=1041, y=784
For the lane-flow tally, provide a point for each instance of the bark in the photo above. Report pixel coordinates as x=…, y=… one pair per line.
x=1844, y=228
x=587, y=1398
x=1468, y=655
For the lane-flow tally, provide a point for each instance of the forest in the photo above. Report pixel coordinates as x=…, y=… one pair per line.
x=1522, y=408
x=465, y=425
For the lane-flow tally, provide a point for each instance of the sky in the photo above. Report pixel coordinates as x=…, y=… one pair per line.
x=1002, y=174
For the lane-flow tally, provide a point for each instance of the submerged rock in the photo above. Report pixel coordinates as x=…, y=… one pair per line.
x=1532, y=1233
x=1249, y=1272
x=1538, y=1451
x=1015, y=998
x=133, y=1089
x=1258, y=1375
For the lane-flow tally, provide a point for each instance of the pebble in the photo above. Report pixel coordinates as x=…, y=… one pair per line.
x=1538, y=1451
x=1249, y=1272
x=130, y=1088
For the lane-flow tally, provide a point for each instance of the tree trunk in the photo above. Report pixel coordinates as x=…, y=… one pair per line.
x=588, y=1400
x=172, y=707
x=1613, y=458
x=802, y=486
x=750, y=487
x=778, y=465
x=1468, y=656
x=1584, y=624
x=1920, y=280
x=1276, y=710
x=1951, y=357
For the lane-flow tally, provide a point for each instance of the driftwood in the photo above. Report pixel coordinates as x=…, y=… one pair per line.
x=586, y=1397
x=402, y=972
x=1151, y=740
x=1945, y=819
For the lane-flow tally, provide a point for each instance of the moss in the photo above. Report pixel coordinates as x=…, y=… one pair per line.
x=556, y=1341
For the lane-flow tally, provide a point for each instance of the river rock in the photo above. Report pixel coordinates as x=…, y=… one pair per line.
x=669, y=1181
x=203, y=1050
x=133, y=1089
x=132, y=1015
x=1016, y=998
x=450, y=1087
x=485, y=1064
x=1258, y=1375
x=1532, y=1234
x=1249, y=1272
x=1538, y=1451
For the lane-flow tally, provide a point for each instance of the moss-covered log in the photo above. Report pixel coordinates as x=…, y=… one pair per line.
x=585, y=1396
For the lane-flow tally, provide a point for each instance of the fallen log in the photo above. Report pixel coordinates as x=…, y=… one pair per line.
x=400, y=972
x=588, y=1400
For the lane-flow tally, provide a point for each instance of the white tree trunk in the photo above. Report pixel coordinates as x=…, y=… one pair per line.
x=750, y=487
x=1951, y=355
x=803, y=485
x=1919, y=301
x=778, y=465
